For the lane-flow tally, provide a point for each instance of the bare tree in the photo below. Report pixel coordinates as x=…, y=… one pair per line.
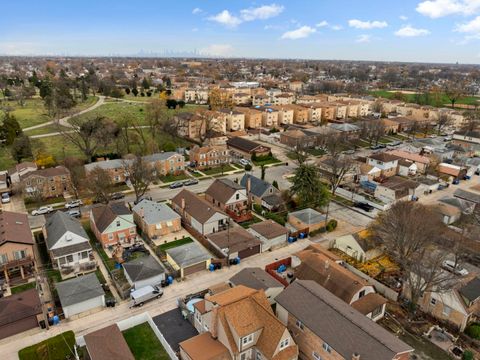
x=454, y=89
x=336, y=168
x=100, y=185
x=443, y=121
x=156, y=115
x=88, y=136
x=373, y=130
x=77, y=174
x=141, y=175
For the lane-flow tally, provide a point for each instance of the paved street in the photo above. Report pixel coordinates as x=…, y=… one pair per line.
x=9, y=347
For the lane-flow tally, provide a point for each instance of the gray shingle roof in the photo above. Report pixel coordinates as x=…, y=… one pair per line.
x=107, y=164
x=255, y=278
x=258, y=187
x=471, y=291
x=342, y=327
x=159, y=156
x=188, y=254
x=467, y=195
x=79, y=289
x=309, y=216
x=60, y=223
x=143, y=268
x=154, y=213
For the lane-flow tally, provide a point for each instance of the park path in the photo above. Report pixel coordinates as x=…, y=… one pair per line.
x=64, y=121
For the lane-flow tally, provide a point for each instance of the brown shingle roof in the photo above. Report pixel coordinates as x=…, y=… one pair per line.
x=49, y=172
x=269, y=229
x=108, y=343
x=332, y=276
x=223, y=189
x=236, y=239
x=19, y=306
x=366, y=304
x=384, y=157
x=198, y=208
x=244, y=144
x=204, y=347
x=104, y=215
x=14, y=227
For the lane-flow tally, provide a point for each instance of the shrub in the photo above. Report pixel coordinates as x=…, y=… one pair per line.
x=248, y=167
x=258, y=208
x=473, y=330
x=276, y=217
x=332, y=225
x=467, y=355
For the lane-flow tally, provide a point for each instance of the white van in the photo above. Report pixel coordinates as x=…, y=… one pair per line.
x=144, y=294
x=5, y=198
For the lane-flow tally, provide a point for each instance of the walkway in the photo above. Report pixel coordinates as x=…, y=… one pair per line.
x=64, y=121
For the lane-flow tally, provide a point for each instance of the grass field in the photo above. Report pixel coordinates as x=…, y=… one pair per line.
x=48, y=129
x=144, y=344
x=441, y=102
x=59, y=347
x=34, y=112
x=218, y=170
x=176, y=243
x=24, y=287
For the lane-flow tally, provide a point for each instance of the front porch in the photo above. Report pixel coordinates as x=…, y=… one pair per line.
x=18, y=271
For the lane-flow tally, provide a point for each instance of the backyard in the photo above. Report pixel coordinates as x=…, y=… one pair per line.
x=144, y=344
x=440, y=101
x=59, y=347
x=176, y=243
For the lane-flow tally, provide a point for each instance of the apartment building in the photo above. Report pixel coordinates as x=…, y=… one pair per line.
x=253, y=117
x=285, y=114
x=234, y=120
x=48, y=183
x=209, y=156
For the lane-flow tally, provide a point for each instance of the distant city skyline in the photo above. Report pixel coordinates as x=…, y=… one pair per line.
x=436, y=31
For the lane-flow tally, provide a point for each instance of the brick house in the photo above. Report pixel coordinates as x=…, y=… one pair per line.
x=115, y=169
x=235, y=120
x=50, y=182
x=209, y=156
x=17, y=263
x=326, y=328
x=245, y=147
x=238, y=324
x=230, y=197
x=191, y=125
x=386, y=162
x=166, y=163
x=156, y=219
x=113, y=224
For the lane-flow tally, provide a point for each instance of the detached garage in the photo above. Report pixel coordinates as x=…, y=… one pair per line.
x=144, y=271
x=81, y=294
x=188, y=258
x=236, y=242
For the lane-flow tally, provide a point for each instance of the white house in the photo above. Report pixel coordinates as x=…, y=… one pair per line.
x=359, y=246
x=68, y=243
x=270, y=233
x=80, y=295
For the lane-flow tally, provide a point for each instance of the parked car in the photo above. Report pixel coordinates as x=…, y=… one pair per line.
x=42, y=210
x=364, y=206
x=244, y=162
x=144, y=294
x=75, y=213
x=449, y=265
x=175, y=185
x=73, y=204
x=190, y=182
x=349, y=152
x=375, y=147
x=5, y=198
x=117, y=196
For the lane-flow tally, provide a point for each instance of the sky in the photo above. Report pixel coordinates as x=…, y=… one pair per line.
x=445, y=31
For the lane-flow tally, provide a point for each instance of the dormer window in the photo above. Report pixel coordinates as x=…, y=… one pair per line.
x=247, y=339
x=284, y=343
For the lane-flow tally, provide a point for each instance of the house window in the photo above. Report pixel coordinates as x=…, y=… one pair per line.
x=158, y=226
x=284, y=343
x=433, y=301
x=361, y=294
x=258, y=356
x=118, y=223
x=327, y=347
x=198, y=316
x=3, y=258
x=18, y=255
x=62, y=261
x=237, y=196
x=84, y=254
x=69, y=258
x=110, y=236
x=247, y=339
x=132, y=231
x=243, y=356
x=316, y=356
x=377, y=311
x=299, y=325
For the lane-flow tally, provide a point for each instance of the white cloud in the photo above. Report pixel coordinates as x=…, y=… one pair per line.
x=337, y=27
x=364, y=38
x=226, y=18
x=301, y=32
x=409, y=31
x=196, y=11
x=471, y=27
x=218, y=50
x=440, y=8
x=262, y=12
x=322, y=24
x=403, y=17
x=364, y=25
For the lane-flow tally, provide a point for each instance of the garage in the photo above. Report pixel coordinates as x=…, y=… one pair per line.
x=194, y=268
x=242, y=254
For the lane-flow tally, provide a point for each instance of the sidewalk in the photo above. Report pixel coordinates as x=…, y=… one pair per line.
x=9, y=347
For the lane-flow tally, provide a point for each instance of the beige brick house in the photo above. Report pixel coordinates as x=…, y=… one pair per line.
x=253, y=117
x=156, y=219
x=48, y=183
x=209, y=156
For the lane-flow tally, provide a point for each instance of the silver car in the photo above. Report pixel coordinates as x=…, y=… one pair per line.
x=42, y=210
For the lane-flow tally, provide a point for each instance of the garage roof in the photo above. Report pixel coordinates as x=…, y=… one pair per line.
x=188, y=254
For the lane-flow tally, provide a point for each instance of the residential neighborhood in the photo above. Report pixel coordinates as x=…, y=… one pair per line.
x=225, y=203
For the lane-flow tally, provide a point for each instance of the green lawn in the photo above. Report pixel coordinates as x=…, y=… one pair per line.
x=172, y=178
x=442, y=101
x=59, y=347
x=269, y=161
x=176, y=243
x=316, y=152
x=48, y=129
x=6, y=159
x=24, y=287
x=144, y=344
x=218, y=170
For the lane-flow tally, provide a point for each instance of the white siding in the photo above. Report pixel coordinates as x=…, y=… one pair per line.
x=83, y=306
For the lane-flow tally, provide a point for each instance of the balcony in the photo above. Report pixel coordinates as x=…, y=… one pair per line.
x=84, y=267
x=28, y=260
